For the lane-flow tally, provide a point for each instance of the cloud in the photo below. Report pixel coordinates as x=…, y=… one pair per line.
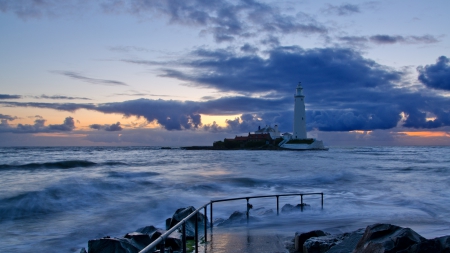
x=57, y=97
x=106, y=127
x=436, y=76
x=341, y=10
x=226, y=20
x=361, y=41
x=280, y=70
x=388, y=39
x=70, y=107
x=38, y=127
x=78, y=76
x=344, y=92
x=7, y=96
x=7, y=117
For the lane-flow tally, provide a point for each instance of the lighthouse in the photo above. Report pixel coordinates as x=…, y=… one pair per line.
x=299, y=114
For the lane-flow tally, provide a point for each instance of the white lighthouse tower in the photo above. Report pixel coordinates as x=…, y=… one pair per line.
x=299, y=114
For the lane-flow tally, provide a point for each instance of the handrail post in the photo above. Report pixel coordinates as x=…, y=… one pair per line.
x=211, y=215
x=322, y=199
x=184, y=236
x=206, y=222
x=162, y=247
x=248, y=210
x=196, y=232
x=301, y=202
x=278, y=205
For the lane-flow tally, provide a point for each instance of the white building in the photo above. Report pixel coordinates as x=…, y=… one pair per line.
x=299, y=114
x=298, y=140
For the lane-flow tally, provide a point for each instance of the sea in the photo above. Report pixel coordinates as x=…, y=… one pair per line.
x=56, y=199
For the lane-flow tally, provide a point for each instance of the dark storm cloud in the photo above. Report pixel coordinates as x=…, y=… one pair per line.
x=7, y=96
x=106, y=127
x=341, y=10
x=280, y=71
x=344, y=91
x=436, y=76
x=38, y=127
x=80, y=77
x=171, y=114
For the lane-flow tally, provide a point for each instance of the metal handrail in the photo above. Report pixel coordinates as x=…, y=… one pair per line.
x=161, y=239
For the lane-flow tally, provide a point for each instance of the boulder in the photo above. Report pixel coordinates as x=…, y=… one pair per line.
x=288, y=208
x=237, y=218
x=388, y=238
x=108, y=245
x=348, y=242
x=173, y=240
x=182, y=213
x=147, y=230
x=139, y=239
x=300, y=238
x=440, y=244
x=321, y=244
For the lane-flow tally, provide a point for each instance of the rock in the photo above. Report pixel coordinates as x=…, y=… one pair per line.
x=440, y=244
x=182, y=213
x=83, y=250
x=173, y=240
x=300, y=238
x=139, y=239
x=147, y=230
x=388, y=238
x=108, y=245
x=238, y=218
x=218, y=221
x=319, y=241
x=288, y=208
x=348, y=243
x=321, y=244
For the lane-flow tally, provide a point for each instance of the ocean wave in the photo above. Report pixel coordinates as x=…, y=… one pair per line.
x=57, y=165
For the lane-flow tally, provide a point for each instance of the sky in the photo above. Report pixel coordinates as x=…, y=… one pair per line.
x=191, y=72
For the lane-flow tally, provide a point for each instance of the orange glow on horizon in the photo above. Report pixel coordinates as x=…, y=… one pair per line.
x=426, y=134
x=72, y=135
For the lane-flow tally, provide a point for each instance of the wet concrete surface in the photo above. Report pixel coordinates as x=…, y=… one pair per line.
x=245, y=241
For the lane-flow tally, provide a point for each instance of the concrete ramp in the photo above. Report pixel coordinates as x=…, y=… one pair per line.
x=244, y=242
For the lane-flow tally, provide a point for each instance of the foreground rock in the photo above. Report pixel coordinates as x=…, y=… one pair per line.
x=182, y=213
x=136, y=241
x=377, y=238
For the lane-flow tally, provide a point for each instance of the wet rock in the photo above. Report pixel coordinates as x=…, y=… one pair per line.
x=83, y=250
x=147, y=230
x=300, y=238
x=173, y=241
x=238, y=218
x=348, y=242
x=321, y=244
x=288, y=208
x=389, y=238
x=182, y=213
x=139, y=239
x=440, y=244
x=108, y=245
